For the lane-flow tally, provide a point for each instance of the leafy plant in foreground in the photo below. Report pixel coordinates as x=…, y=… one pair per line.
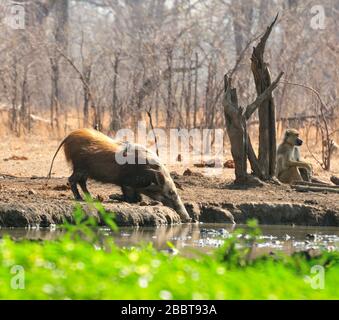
x=237, y=249
x=73, y=268
x=85, y=225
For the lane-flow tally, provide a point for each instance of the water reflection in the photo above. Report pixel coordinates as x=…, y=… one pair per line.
x=204, y=237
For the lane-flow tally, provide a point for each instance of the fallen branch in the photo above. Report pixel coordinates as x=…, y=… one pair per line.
x=315, y=184
x=300, y=188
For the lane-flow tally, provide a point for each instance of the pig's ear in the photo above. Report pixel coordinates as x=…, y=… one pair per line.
x=159, y=177
x=156, y=179
x=178, y=185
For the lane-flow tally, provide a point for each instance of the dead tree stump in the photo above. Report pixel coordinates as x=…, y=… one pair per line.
x=267, y=130
x=236, y=120
x=236, y=130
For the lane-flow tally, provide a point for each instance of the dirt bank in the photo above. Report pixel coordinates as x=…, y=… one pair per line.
x=28, y=201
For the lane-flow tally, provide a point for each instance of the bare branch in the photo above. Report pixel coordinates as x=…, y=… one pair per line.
x=308, y=88
x=70, y=61
x=265, y=95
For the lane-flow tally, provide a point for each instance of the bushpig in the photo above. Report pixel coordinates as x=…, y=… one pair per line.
x=134, y=168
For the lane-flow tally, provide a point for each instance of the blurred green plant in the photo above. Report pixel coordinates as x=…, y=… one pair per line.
x=79, y=266
x=238, y=248
x=84, y=225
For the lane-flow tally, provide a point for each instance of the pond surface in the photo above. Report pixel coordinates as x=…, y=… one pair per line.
x=204, y=237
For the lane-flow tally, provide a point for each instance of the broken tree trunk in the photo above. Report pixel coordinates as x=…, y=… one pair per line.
x=236, y=118
x=236, y=130
x=267, y=130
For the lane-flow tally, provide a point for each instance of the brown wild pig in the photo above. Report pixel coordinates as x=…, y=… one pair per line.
x=132, y=167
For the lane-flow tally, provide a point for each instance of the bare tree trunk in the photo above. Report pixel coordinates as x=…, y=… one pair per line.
x=236, y=130
x=157, y=102
x=86, y=108
x=97, y=123
x=208, y=93
x=61, y=43
x=87, y=71
x=253, y=159
x=188, y=95
x=14, y=96
x=24, y=115
x=114, y=126
x=183, y=83
x=54, y=106
x=169, y=88
x=236, y=118
x=267, y=130
x=195, y=91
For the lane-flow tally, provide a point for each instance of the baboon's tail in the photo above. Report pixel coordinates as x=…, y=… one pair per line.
x=50, y=169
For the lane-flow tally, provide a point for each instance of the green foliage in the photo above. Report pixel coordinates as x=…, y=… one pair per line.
x=236, y=252
x=80, y=266
x=84, y=226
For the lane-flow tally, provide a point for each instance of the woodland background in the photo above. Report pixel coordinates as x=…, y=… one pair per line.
x=107, y=62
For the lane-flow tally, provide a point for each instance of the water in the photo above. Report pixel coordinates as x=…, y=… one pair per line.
x=204, y=237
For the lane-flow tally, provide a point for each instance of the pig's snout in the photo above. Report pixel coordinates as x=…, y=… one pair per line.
x=179, y=207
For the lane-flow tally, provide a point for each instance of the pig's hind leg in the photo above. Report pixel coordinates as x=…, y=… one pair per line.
x=83, y=184
x=78, y=177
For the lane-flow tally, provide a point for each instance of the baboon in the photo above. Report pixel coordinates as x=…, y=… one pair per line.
x=290, y=168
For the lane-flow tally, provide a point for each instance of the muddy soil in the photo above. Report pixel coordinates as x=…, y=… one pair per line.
x=27, y=201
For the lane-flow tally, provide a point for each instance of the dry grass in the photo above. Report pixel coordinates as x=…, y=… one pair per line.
x=40, y=145
x=39, y=149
